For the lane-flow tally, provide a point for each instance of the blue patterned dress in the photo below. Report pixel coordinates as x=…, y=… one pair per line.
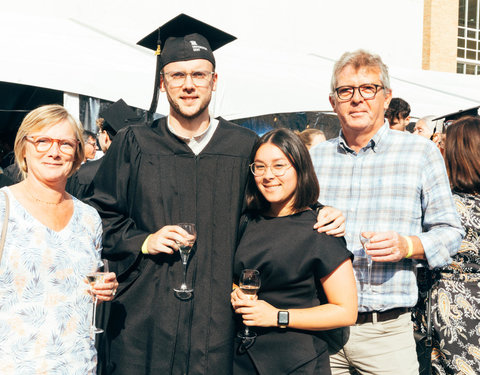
x=45, y=308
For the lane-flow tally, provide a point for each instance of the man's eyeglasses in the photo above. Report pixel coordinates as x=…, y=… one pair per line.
x=367, y=91
x=200, y=78
x=43, y=144
x=278, y=169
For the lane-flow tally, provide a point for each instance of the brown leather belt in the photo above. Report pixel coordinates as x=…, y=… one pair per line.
x=380, y=316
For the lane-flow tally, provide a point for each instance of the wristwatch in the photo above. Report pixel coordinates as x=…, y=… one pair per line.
x=282, y=319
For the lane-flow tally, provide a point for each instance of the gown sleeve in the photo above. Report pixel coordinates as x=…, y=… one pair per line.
x=113, y=197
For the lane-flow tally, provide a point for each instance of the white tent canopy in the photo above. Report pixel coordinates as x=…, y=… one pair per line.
x=71, y=56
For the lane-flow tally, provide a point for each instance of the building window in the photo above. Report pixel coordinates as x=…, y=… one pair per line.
x=468, y=43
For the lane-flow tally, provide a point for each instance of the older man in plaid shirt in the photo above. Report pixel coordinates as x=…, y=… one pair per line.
x=392, y=187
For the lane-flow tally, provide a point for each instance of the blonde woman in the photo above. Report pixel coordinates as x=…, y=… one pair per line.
x=53, y=241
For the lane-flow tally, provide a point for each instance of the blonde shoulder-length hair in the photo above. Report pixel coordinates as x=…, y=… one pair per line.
x=44, y=117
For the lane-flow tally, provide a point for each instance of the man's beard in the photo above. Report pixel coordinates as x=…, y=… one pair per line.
x=177, y=109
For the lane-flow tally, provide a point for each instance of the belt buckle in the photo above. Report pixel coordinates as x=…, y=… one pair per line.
x=374, y=317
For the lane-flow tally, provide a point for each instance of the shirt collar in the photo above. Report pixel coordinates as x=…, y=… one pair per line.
x=197, y=137
x=375, y=143
x=199, y=141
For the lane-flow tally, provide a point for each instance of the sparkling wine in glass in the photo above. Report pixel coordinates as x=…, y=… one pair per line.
x=184, y=248
x=98, y=275
x=249, y=283
x=364, y=241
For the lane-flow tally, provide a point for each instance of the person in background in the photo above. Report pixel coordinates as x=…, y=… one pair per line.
x=296, y=265
x=4, y=180
x=425, y=127
x=398, y=114
x=53, y=241
x=186, y=167
x=394, y=190
x=112, y=119
x=311, y=137
x=13, y=173
x=90, y=140
x=455, y=292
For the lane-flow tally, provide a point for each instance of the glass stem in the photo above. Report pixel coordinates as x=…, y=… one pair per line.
x=94, y=311
x=369, y=277
x=184, y=275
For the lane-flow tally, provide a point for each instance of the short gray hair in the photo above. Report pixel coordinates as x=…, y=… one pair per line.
x=360, y=59
x=430, y=123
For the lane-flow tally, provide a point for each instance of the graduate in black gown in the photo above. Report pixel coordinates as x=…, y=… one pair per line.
x=307, y=281
x=111, y=120
x=187, y=167
x=5, y=181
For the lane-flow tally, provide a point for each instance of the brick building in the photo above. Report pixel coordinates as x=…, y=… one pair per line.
x=450, y=23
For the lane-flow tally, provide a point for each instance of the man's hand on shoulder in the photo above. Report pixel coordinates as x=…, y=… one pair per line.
x=331, y=221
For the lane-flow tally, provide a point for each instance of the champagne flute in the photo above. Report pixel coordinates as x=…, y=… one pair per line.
x=94, y=277
x=364, y=240
x=249, y=284
x=184, y=292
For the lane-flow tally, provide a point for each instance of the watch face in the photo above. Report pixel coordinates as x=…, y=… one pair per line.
x=282, y=317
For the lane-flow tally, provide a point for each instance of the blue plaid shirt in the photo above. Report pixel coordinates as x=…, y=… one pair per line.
x=397, y=182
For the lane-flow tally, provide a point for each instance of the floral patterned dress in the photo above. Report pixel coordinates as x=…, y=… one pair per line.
x=456, y=300
x=45, y=308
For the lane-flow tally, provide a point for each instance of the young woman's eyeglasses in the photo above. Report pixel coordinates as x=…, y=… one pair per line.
x=278, y=169
x=200, y=78
x=367, y=91
x=43, y=144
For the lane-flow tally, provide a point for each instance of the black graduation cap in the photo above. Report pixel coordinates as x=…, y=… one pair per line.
x=183, y=38
x=118, y=114
x=447, y=119
x=186, y=38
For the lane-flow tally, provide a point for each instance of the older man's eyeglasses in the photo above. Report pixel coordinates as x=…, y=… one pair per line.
x=278, y=169
x=199, y=78
x=367, y=91
x=43, y=144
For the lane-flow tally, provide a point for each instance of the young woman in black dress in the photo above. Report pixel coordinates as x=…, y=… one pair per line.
x=307, y=281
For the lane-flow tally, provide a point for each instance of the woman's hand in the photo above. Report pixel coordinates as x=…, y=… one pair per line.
x=105, y=290
x=254, y=312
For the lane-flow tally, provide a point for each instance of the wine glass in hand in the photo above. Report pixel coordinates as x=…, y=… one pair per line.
x=184, y=248
x=97, y=275
x=364, y=240
x=249, y=284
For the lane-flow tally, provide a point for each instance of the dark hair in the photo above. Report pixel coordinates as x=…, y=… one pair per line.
x=307, y=190
x=88, y=134
x=397, y=109
x=462, y=154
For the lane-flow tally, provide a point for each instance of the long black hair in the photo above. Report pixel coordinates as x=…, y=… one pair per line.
x=307, y=190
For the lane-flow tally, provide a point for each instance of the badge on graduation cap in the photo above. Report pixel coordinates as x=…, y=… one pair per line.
x=183, y=38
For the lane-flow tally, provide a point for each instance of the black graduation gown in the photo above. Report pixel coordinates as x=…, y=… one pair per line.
x=5, y=181
x=149, y=179
x=80, y=183
x=13, y=173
